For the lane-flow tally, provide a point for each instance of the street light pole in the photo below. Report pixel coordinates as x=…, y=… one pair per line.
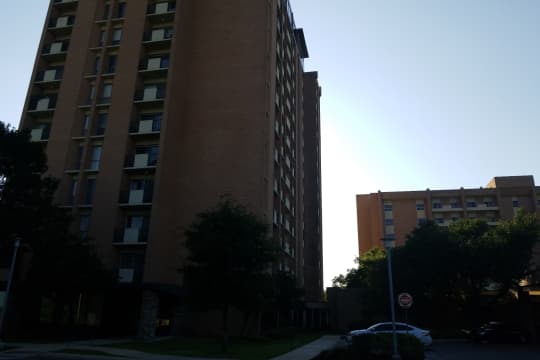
x=8, y=288
x=388, y=244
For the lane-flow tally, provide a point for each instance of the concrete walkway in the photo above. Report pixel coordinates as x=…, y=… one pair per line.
x=309, y=351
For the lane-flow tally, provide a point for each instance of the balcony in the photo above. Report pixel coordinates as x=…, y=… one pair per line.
x=150, y=94
x=55, y=51
x=65, y=4
x=61, y=25
x=40, y=134
x=42, y=105
x=131, y=236
x=161, y=12
x=145, y=127
x=49, y=78
x=136, y=197
x=486, y=206
x=129, y=276
x=141, y=161
x=155, y=67
x=158, y=38
x=438, y=207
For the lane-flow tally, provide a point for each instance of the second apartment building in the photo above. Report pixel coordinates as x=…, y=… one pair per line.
x=396, y=214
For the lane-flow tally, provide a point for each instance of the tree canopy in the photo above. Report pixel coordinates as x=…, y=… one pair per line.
x=230, y=259
x=57, y=261
x=454, y=267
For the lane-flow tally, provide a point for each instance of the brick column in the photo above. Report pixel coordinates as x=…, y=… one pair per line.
x=149, y=313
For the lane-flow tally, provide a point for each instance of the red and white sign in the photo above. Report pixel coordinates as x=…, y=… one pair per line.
x=405, y=300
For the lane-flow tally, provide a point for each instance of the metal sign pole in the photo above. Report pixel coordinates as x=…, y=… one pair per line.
x=8, y=288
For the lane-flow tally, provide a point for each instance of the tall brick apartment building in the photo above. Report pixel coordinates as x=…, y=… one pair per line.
x=149, y=110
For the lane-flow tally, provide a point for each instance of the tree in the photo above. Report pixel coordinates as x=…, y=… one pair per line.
x=229, y=262
x=452, y=268
x=58, y=262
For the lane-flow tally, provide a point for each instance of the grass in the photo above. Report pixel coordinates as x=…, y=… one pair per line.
x=85, y=352
x=239, y=348
x=6, y=348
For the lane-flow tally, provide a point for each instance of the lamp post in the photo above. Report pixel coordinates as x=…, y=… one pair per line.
x=8, y=288
x=388, y=245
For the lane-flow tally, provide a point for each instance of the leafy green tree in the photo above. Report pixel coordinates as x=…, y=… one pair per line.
x=56, y=262
x=452, y=268
x=229, y=262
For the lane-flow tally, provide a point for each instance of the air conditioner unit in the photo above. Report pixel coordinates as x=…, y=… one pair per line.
x=141, y=160
x=131, y=235
x=49, y=75
x=136, y=196
x=126, y=275
x=36, y=134
x=145, y=126
x=150, y=93
x=42, y=104
x=162, y=8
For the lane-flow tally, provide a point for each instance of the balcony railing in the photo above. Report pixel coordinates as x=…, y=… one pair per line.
x=50, y=75
x=61, y=22
x=141, y=161
x=161, y=8
x=151, y=93
x=44, y=103
x=145, y=127
x=57, y=48
x=136, y=197
x=157, y=35
x=131, y=235
x=40, y=134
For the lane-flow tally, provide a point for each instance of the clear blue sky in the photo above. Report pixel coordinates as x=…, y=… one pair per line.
x=416, y=94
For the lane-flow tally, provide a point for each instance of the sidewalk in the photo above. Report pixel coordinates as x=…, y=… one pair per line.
x=309, y=351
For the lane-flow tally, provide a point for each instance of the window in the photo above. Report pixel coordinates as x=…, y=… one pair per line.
x=90, y=191
x=421, y=221
x=111, y=64
x=437, y=205
x=91, y=93
x=73, y=193
x=79, y=157
x=165, y=61
x=95, y=157
x=387, y=206
x=388, y=221
x=97, y=64
x=106, y=93
x=101, y=123
x=419, y=206
x=106, y=11
x=116, y=36
x=101, y=39
x=121, y=11
x=155, y=118
x=84, y=224
x=85, y=124
x=515, y=203
x=471, y=203
x=151, y=150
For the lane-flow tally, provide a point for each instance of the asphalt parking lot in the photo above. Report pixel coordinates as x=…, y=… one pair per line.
x=463, y=350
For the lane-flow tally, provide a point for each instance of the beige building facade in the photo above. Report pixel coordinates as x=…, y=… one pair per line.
x=150, y=110
x=395, y=214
